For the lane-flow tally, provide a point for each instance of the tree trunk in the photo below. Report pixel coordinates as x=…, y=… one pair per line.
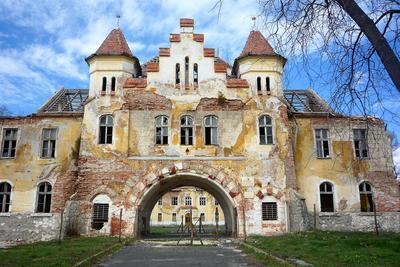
x=378, y=41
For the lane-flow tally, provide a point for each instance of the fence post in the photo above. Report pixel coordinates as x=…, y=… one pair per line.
x=120, y=224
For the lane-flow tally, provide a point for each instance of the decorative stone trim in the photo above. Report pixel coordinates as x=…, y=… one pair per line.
x=237, y=83
x=198, y=37
x=174, y=38
x=135, y=83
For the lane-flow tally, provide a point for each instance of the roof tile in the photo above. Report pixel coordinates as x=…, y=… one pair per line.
x=257, y=45
x=114, y=44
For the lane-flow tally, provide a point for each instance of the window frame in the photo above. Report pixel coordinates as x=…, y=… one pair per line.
x=196, y=74
x=211, y=126
x=4, y=195
x=159, y=217
x=200, y=201
x=187, y=127
x=46, y=193
x=268, y=216
x=366, y=193
x=42, y=143
x=188, y=199
x=167, y=125
x=113, y=84
x=3, y=140
x=258, y=85
x=333, y=196
x=172, y=201
x=104, y=84
x=105, y=125
x=268, y=84
x=177, y=73
x=361, y=157
x=187, y=69
x=93, y=212
x=321, y=140
x=174, y=217
x=160, y=201
x=265, y=127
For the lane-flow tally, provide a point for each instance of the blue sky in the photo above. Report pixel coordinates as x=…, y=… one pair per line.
x=43, y=43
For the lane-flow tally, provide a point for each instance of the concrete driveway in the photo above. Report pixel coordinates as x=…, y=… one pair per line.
x=161, y=253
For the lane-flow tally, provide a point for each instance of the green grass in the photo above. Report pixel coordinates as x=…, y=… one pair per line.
x=334, y=248
x=70, y=252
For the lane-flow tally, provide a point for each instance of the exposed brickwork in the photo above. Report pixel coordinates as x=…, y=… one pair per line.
x=237, y=83
x=185, y=22
x=135, y=83
x=164, y=52
x=207, y=104
x=209, y=52
x=257, y=45
x=198, y=37
x=114, y=44
x=153, y=67
x=145, y=100
x=220, y=67
x=173, y=37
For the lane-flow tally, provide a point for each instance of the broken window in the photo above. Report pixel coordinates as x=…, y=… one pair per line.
x=162, y=130
x=366, y=199
x=267, y=85
x=196, y=74
x=44, y=197
x=188, y=201
x=177, y=73
x=259, y=84
x=160, y=202
x=360, y=143
x=100, y=215
x=186, y=130
x=174, y=201
x=202, y=216
x=265, y=128
x=202, y=201
x=5, y=197
x=211, y=130
x=106, y=129
x=186, y=71
x=322, y=143
x=113, y=82
x=326, y=197
x=49, y=137
x=159, y=217
x=104, y=84
x=174, y=217
x=9, y=143
x=269, y=211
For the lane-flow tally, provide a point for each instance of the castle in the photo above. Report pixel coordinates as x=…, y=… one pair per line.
x=276, y=160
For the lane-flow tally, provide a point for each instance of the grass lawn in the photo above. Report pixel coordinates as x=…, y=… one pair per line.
x=70, y=252
x=334, y=248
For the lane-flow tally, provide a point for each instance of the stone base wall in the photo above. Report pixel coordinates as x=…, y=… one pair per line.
x=298, y=215
x=28, y=228
x=357, y=221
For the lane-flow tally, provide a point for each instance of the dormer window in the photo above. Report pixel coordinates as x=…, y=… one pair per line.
x=267, y=85
x=177, y=73
x=186, y=71
x=113, y=84
x=259, y=85
x=104, y=84
x=195, y=74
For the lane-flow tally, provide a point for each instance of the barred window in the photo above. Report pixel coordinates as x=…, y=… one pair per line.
x=9, y=143
x=326, y=197
x=44, y=197
x=49, y=137
x=162, y=130
x=366, y=200
x=188, y=201
x=211, y=130
x=186, y=130
x=202, y=201
x=174, y=201
x=322, y=143
x=265, y=130
x=360, y=143
x=5, y=197
x=100, y=212
x=106, y=129
x=269, y=211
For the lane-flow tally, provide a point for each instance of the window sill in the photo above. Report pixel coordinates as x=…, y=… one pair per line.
x=324, y=157
x=5, y=214
x=362, y=158
x=5, y=158
x=328, y=214
x=41, y=158
x=38, y=214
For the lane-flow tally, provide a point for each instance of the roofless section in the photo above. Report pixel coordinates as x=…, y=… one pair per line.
x=65, y=101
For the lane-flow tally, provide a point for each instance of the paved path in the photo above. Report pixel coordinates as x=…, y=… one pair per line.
x=149, y=253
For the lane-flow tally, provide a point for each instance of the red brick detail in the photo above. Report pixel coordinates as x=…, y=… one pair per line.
x=237, y=83
x=269, y=190
x=212, y=104
x=144, y=100
x=173, y=37
x=260, y=195
x=116, y=225
x=164, y=52
x=256, y=44
x=185, y=22
x=209, y=52
x=153, y=67
x=233, y=194
x=220, y=67
x=114, y=44
x=135, y=83
x=198, y=37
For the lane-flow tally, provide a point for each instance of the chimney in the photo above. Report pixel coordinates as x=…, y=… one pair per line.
x=187, y=25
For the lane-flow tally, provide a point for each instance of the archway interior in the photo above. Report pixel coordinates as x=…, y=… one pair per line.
x=152, y=196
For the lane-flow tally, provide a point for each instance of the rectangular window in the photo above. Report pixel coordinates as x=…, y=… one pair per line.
x=267, y=84
x=211, y=135
x=160, y=217
x=202, y=201
x=322, y=143
x=9, y=143
x=49, y=137
x=327, y=202
x=269, y=211
x=360, y=143
x=202, y=217
x=187, y=136
x=188, y=201
x=160, y=202
x=174, y=201
x=100, y=212
x=174, y=217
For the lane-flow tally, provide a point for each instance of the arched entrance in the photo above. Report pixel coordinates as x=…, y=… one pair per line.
x=157, y=190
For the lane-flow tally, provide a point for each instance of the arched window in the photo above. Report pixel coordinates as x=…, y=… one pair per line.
x=113, y=84
x=259, y=84
x=265, y=130
x=366, y=200
x=326, y=197
x=106, y=129
x=5, y=197
x=267, y=85
x=162, y=130
x=186, y=130
x=177, y=73
x=211, y=130
x=196, y=74
x=186, y=71
x=44, y=197
x=104, y=84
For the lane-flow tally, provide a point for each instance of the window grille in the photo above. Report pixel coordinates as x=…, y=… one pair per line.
x=269, y=211
x=100, y=212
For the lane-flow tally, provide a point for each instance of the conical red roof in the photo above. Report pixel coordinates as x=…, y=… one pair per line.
x=257, y=45
x=114, y=44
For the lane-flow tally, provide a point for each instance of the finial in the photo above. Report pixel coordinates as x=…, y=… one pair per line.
x=254, y=22
x=118, y=17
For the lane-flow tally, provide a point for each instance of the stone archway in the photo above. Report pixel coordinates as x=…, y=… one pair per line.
x=158, y=189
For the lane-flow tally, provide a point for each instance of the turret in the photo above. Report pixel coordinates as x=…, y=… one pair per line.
x=260, y=66
x=111, y=64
